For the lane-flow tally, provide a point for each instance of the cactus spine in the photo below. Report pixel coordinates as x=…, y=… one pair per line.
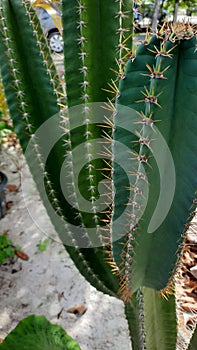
x=136, y=256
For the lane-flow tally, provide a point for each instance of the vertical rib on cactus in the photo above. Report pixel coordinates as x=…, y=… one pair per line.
x=91, y=55
x=125, y=15
x=89, y=67
x=152, y=320
x=159, y=320
x=135, y=316
x=169, y=97
x=134, y=186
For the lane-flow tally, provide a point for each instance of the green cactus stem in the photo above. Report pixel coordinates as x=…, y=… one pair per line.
x=34, y=94
x=160, y=84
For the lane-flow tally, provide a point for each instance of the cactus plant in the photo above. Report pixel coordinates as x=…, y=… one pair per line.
x=147, y=160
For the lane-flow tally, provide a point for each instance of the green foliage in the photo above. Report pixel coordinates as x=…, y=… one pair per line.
x=6, y=249
x=135, y=250
x=37, y=333
x=5, y=130
x=42, y=245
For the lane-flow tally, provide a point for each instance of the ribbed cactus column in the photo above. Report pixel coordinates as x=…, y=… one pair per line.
x=95, y=50
x=34, y=95
x=160, y=85
x=93, y=58
x=98, y=45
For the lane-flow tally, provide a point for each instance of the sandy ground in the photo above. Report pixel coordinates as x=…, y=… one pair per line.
x=48, y=283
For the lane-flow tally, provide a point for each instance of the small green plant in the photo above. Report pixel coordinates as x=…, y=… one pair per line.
x=5, y=129
x=37, y=333
x=42, y=245
x=7, y=251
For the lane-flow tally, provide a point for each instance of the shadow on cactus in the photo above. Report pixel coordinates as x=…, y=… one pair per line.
x=139, y=150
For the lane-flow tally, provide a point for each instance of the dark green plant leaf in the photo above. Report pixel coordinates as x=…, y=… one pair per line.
x=6, y=249
x=42, y=245
x=37, y=333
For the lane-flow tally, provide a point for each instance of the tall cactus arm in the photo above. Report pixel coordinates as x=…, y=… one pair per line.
x=124, y=118
x=135, y=316
x=89, y=67
x=87, y=62
x=34, y=95
x=18, y=36
x=168, y=98
x=30, y=80
x=152, y=320
x=98, y=32
x=180, y=96
x=94, y=52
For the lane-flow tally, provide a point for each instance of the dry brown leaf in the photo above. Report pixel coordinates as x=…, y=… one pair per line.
x=78, y=310
x=187, y=260
x=193, y=255
x=21, y=255
x=191, y=323
x=1, y=340
x=12, y=188
x=187, y=285
x=187, y=299
x=192, y=295
x=189, y=307
x=192, y=290
x=60, y=296
x=5, y=232
x=191, y=283
x=9, y=204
